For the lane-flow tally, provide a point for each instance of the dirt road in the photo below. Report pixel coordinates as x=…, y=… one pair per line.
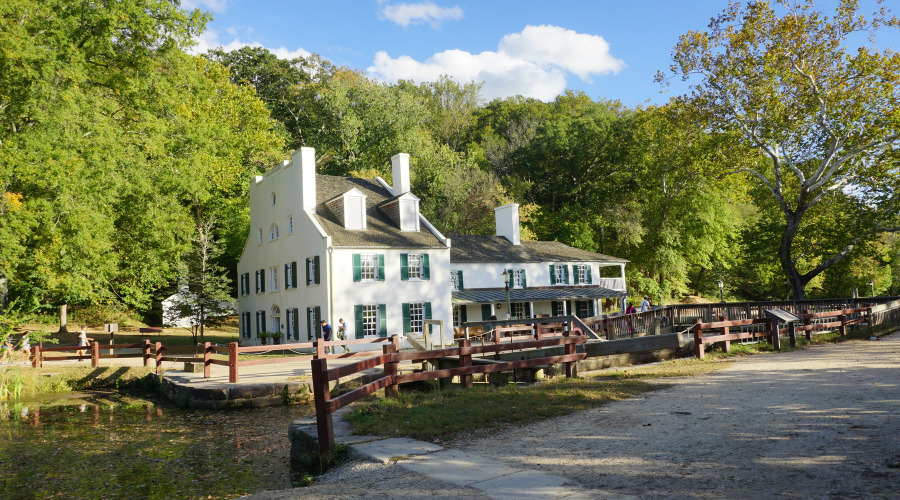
x=817, y=423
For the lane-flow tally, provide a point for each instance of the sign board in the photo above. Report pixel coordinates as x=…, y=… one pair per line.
x=782, y=315
x=111, y=327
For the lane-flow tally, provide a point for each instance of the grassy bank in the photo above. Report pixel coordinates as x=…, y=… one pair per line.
x=23, y=382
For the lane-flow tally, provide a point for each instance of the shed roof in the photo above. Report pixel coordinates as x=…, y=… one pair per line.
x=499, y=249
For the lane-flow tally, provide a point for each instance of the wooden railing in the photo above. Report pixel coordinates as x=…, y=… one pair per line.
x=511, y=330
x=767, y=327
x=38, y=358
x=391, y=357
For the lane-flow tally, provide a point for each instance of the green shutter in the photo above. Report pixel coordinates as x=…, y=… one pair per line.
x=566, y=274
x=318, y=322
x=296, y=320
x=294, y=275
x=524, y=282
x=569, y=310
x=357, y=314
x=308, y=277
x=287, y=276
x=426, y=271
x=575, y=274
x=382, y=320
x=406, y=323
x=404, y=267
x=357, y=268
x=552, y=274
x=380, y=275
x=459, y=281
x=262, y=280
x=310, y=331
x=485, y=312
x=316, y=265
x=463, y=315
x=262, y=317
x=589, y=280
x=591, y=310
x=427, y=312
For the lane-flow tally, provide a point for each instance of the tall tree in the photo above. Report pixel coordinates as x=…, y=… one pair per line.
x=821, y=111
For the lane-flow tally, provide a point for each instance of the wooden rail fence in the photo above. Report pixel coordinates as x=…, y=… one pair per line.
x=767, y=327
x=391, y=357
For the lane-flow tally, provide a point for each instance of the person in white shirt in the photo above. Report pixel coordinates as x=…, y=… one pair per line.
x=645, y=304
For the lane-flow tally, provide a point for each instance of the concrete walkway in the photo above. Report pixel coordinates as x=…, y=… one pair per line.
x=495, y=479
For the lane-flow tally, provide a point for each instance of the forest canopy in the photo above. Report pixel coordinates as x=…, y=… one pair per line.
x=124, y=160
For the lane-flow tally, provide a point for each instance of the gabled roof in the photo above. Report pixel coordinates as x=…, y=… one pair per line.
x=380, y=231
x=499, y=249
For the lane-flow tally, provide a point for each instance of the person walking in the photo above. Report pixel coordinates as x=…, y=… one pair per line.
x=342, y=333
x=326, y=335
x=83, y=341
x=645, y=304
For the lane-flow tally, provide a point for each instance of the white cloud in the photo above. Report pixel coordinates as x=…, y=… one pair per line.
x=209, y=39
x=533, y=63
x=405, y=14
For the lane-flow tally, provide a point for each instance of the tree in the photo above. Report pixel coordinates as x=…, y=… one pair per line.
x=821, y=113
x=204, y=288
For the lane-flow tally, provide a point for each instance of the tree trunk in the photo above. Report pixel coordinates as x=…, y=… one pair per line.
x=796, y=282
x=63, y=319
x=4, y=293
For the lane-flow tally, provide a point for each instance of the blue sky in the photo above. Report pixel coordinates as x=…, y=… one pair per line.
x=609, y=49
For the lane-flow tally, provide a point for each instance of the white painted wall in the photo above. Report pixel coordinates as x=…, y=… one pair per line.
x=306, y=240
x=490, y=275
x=393, y=291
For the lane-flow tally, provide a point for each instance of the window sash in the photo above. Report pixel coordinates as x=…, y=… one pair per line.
x=370, y=319
x=367, y=266
x=415, y=266
x=417, y=317
x=453, y=280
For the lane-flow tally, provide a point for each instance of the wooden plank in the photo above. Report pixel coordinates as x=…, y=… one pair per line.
x=220, y=362
x=488, y=368
x=343, y=371
x=732, y=336
x=737, y=322
x=270, y=361
x=635, y=345
x=489, y=349
x=357, y=394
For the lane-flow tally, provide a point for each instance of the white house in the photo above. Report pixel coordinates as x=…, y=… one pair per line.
x=326, y=247
x=545, y=277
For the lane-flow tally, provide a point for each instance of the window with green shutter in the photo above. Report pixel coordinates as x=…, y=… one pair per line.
x=485, y=312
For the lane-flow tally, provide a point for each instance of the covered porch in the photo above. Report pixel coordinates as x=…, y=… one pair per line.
x=488, y=304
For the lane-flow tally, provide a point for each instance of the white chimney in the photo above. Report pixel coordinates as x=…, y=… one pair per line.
x=305, y=159
x=507, y=221
x=400, y=162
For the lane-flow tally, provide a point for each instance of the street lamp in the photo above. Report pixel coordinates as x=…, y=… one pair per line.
x=506, y=277
x=721, y=290
x=872, y=286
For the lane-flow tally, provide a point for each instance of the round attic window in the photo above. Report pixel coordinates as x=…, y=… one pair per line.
x=273, y=199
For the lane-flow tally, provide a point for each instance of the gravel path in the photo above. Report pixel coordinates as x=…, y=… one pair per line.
x=820, y=422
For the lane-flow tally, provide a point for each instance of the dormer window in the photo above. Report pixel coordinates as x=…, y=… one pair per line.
x=350, y=209
x=273, y=232
x=403, y=210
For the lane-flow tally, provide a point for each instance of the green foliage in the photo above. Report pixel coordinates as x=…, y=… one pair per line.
x=821, y=115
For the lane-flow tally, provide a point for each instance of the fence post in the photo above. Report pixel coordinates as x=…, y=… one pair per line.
x=95, y=354
x=320, y=349
x=806, y=322
x=233, y=362
x=390, y=368
x=159, y=351
x=773, y=330
x=207, y=351
x=321, y=397
x=698, y=339
x=605, y=327
x=792, y=333
x=569, y=349
x=537, y=330
x=843, y=328
x=36, y=356
x=465, y=359
x=145, y=348
x=725, y=331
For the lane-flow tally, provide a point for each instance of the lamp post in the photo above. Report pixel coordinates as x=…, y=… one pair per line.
x=872, y=286
x=721, y=290
x=506, y=278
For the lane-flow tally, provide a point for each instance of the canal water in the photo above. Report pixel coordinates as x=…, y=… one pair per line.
x=108, y=445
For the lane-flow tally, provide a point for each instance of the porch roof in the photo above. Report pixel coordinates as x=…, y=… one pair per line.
x=534, y=294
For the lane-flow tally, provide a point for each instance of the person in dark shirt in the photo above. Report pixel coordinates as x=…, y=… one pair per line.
x=326, y=335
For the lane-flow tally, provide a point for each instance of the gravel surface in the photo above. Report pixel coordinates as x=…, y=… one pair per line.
x=815, y=423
